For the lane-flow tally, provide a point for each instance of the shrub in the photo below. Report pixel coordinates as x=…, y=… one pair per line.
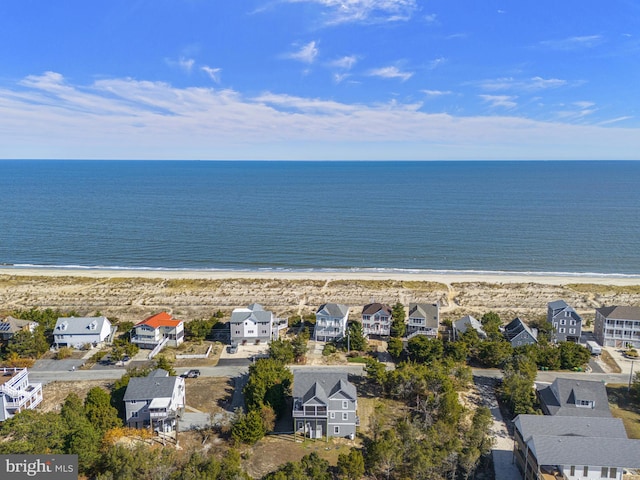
x=329, y=349
x=64, y=352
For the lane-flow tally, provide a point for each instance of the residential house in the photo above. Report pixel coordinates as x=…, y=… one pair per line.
x=157, y=329
x=462, y=325
x=573, y=448
x=618, y=326
x=17, y=393
x=325, y=404
x=10, y=326
x=518, y=333
x=331, y=322
x=77, y=332
x=577, y=398
x=566, y=323
x=424, y=319
x=376, y=319
x=255, y=325
x=155, y=401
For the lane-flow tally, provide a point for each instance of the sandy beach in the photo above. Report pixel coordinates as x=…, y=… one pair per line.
x=132, y=294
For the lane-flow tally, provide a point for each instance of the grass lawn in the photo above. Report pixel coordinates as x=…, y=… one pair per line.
x=625, y=408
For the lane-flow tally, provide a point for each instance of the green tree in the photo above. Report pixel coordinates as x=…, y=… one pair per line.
x=573, y=355
x=281, y=350
x=28, y=345
x=33, y=432
x=357, y=340
x=493, y=353
x=398, y=327
x=517, y=384
x=269, y=382
x=98, y=410
x=491, y=324
x=424, y=349
x=299, y=344
x=164, y=363
x=376, y=370
x=395, y=347
x=200, y=329
x=248, y=428
x=82, y=438
x=351, y=465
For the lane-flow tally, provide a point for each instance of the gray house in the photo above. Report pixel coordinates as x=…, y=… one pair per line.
x=325, y=404
x=466, y=322
x=156, y=400
x=424, y=319
x=255, y=325
x=566, y=323
x=10, y=326
x=573, y=448
x=518, y=333
x=331, y=322
x=618, y=326
x=577, y=398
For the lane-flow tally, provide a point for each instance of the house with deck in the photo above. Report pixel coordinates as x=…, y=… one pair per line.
x=566, y=323
x=572, y=448
x=617, y=326
x=158, y=329
x=77, y=332
x=518, y=333
x=17, y=393
x=462, y=325
x=577, y=398
x=255, y=325
x=156, y=401
x=424, y=319
x=331, y=322
x=325, y=404
x=10, y=326
x=376, y=319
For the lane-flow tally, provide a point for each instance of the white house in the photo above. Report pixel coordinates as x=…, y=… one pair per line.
x=159, y=328
x=156, y=400
x=376, y=319
x=331, y=322
x=77, y=332
x=17, y=393
x=255, y=325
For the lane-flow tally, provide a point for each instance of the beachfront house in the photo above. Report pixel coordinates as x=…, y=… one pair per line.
x=577, y=398
x=573, y=448
x=618, y=326
x=518, y=333
x=424, y=319
x=462, y=325
x=78, y=332
x=331, y=322
x=17, y=393
x=376, y=319
x=10, y=326
x=255, y=325
x=566, y=323
x=156, y=401
x=158, y=329
x=325, y=404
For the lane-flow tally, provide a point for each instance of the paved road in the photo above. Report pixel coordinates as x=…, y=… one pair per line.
x=550, y=376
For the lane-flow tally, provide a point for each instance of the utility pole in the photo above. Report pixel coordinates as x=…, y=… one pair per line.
x=630, y=376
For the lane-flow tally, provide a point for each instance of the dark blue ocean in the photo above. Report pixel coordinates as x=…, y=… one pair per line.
x=564, y=217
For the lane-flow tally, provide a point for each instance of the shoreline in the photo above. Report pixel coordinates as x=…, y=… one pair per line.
x=445, y=277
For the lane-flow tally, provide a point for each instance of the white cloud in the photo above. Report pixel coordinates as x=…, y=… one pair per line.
x=502, y=101
x=436, y=93
x=345, y=63
x=365, y=11
x=306, y=54
x=390, y=72
x=431, y=18
x=214, y=73
x=615, y=120
x=527, y=84
x=184, y=64
x=573, y=43
x=435, y=63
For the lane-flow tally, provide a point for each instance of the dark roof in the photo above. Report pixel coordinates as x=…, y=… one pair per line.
x=559, y=398
x=333, y=310
x=13, y=325
x=428, y=311
x=157, y=385
x=321, y=384
x=516, y=327
x=603, y=427
x=558, y=305
x=620, y=313
x=373, y=308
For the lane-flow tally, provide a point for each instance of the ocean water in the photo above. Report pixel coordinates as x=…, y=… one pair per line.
x=563, y=217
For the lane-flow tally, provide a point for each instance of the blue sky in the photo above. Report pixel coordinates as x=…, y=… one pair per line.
x=320, y=79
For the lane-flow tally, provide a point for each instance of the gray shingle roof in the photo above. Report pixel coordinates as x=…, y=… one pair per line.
x=373, y=308
x=601, y=427
x=593, y=451
x=13, y=325
x=333, y=310
x=156, y=385
x=316, y=382
x=428, y=311
x=558, y=305
x=516, y=327
x=559, y=398
x=254, y=310
x=469, y=321
x=79, y=325
x=620, y=313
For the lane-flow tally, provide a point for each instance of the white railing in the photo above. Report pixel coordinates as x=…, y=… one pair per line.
x=158, y=348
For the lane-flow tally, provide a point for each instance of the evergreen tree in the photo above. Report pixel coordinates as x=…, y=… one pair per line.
x=98, y=409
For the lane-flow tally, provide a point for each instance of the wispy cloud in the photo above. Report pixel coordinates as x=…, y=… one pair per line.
x=364, y=11
x=436, y=93
x=183, y=63
x=213, y=73
x=573, y=43
x=615, y=120
x=390, y=72
x=500, y=101
x=306, y=54
x=527, y=84
x=436, y=62
x=345, y=63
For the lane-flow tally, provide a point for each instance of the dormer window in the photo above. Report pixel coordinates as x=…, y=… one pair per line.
x=585, y=403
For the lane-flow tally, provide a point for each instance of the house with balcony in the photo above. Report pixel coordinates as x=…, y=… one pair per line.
x=77, y=332
x=255, y=325
x=156, y=401
x=158, y=329
x=577, y=398
x=325, y=404
x=518, y=333
x=462, y=325
x=572, y=448
x=424, y=319
x=617, y=326
x=17, y=393
x=10, y=326
x=376, y=319
x=331, y=322
x=566, y=323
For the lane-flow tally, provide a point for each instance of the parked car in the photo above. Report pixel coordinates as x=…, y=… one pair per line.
x=191, y=374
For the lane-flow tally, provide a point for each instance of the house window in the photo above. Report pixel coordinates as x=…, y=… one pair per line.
x=300, y=424
x=563, y=322
x=572, y=330
x=613, y=472
x=562, y=330
x=332, y=415
x=585, y=471
x=336, y=430
x=572, y=322
x=573, y=470
x=345, y=404
x=250, y=332
x=134, y=414
x=604, y=472
x=345, y=416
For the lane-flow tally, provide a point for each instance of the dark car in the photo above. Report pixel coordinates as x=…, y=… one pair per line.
x=191, y=374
